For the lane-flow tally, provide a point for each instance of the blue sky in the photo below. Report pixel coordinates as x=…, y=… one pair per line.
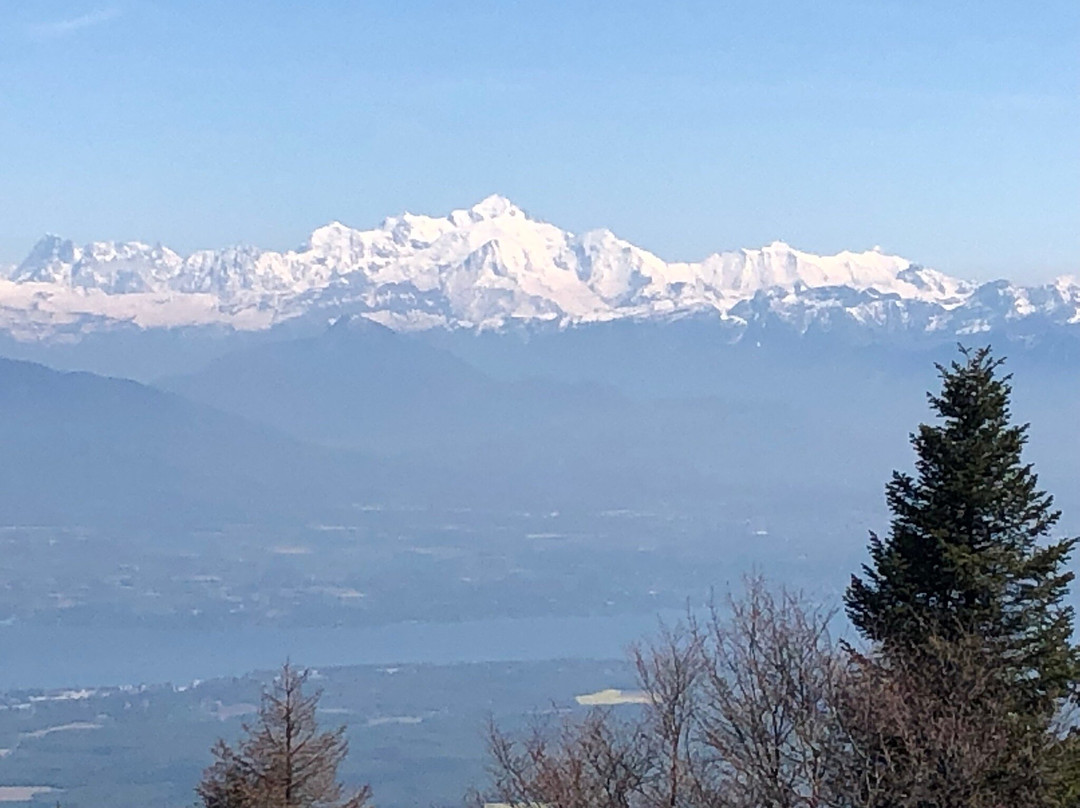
x=948, y=132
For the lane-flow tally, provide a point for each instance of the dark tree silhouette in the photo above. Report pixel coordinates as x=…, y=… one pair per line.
x=969, y=551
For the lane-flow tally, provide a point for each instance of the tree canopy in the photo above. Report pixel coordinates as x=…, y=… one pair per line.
x=970, y=550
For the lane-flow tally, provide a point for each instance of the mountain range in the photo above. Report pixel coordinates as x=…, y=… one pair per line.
x=492, y=267
x=487, y=358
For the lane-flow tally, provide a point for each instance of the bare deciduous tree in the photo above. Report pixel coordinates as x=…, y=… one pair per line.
x=759, y=708
x=284, y=761
x=597, y=762
x=669, y=671
x=737, y=714
x=226, y=782
x=766, y=714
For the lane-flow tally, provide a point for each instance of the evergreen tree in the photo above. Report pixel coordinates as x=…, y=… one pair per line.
x=284, y=761
x=969, y=550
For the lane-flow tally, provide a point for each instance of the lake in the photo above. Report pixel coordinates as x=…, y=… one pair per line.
x=56, y=657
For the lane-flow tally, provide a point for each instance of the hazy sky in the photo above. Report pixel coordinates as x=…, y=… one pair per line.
x=948, y=132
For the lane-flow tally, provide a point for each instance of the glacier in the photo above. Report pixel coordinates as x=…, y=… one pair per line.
x=492, y=266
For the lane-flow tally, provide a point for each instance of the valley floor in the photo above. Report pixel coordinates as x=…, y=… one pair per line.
x=415, y=731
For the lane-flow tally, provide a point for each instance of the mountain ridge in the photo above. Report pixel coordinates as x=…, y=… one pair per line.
x=490, y=266
x=82, y=448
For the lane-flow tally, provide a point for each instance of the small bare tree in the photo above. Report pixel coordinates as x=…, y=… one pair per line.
x=227, y=782
x=596, y=762
x=284, y=761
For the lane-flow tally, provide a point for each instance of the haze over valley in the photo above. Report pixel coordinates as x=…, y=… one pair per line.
x=468, y=389
x=327, y=469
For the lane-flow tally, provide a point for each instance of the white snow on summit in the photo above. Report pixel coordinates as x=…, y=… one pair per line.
x=486, y=267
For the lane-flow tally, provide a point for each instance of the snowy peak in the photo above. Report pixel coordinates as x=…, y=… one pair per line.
x=491, y=207
x=113, y=267
x=490, y=265
x=49, y=261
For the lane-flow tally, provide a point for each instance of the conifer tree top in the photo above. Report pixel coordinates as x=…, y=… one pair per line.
x=969, y=549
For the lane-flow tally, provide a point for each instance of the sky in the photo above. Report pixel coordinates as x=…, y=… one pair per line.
x=946, y=132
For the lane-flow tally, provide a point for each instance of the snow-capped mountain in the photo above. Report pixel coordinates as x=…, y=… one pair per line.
x=491, y=265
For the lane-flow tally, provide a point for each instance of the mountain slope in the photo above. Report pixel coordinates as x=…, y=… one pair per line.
x=618, y=422
x=356, y=384
x=490, y=266
x=79, y=448
x=525, y=441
